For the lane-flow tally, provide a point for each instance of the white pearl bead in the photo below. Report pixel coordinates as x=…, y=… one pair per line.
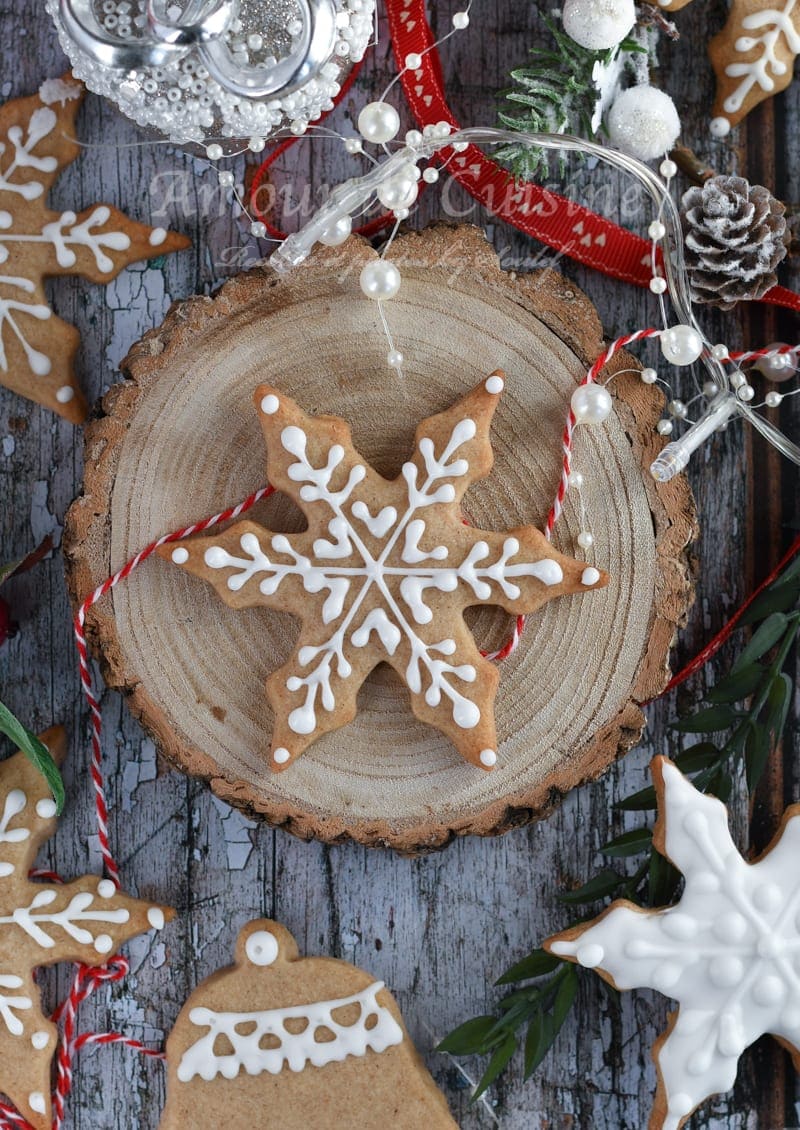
x=258, y=229
x=214, y=151
x=413, y=61
x=353, y=144
x=575, y=480
x=591, y=404
x=780, y=368
x=720, y=352
x=430, y=175
x=738, y=379
x=681, y=345
x=442, y=129
x=298, y=127
x=585, y=539
x=746, y=392
x=380, y=280
x=460, y=20
x=256, y=144
x=226, y=179
x=460, y=146
x=668, y=168
x=710, y=389
x=656, y=230
x=400, y=190
x=378, y=122
x=664, y=427
x=658, y=285
x=648, y=376
x=337, y=233
x=678, y=409
x=395, y=358
x=773, y=399
x=413, y=138
x=401, y=213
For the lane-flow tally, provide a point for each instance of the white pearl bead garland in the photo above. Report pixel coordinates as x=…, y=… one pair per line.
x=338, y=232
x=585, y=539
x=664, y=427
x=681, y=345
x=395, y=358
x=460, y=20
x=378, y=122
x=779, y=368
x=648, y=376
x=591, y=404
x=773, y=399
x=658, y=285
x=413, y=61
x=380, y=280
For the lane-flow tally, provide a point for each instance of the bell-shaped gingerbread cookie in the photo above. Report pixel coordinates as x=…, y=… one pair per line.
x=297, y=1044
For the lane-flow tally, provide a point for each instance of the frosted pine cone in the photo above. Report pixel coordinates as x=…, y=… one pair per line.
x=736, y=235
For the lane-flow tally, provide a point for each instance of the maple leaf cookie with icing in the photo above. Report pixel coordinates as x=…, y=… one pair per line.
x=42, y=923
x=37, y=349
x=727, y=952
x=315, y=1042
x=383, y=574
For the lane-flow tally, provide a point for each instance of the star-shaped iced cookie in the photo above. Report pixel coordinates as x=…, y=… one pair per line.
x=383, y=573
x=728, y=952
x=44, y=923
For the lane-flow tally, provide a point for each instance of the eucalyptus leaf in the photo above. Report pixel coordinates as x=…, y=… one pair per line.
x=499, y=1060
x=708, y=721
x=644, y=800
x=777, y=598
x=756, y=755
x=738, y=685
x=536, y=964
x=764, y=637
x=538, y=1041
x=36, y=751
x=565, y=998
x=468, y=1038
x=629, y=843
x=604, y=883
x=697, y=757
x=663, y=881
x=777, y=706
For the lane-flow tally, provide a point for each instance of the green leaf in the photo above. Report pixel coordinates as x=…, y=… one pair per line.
x=779, y=597
x=663, y=881
x=497, y=1064
x=721, y=785
x=697, y=757
x=756, y=755
x=604, y=883
x=643, y=801
x=777, y=707
x=468, y=1038
x=764, y=638
x=629, y=843
x=36, y=751
x=536, y=964
x=790, y=572
x=538, y=1041
x=741, y=683
x=707, y=721
x=565, y=998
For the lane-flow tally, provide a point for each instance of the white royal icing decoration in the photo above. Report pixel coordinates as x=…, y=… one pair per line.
x=590, y=576
x=295, y=1050
x=157, y=236
x=155, y=916
x=772, y=23
x=180, y=555
x=36, y=924
x=269, y=405
x=494, y=385
x=61, y=234
x=727, y=952
x=11, y=1004
x=46, y=808
x=37, y=1102
x=15, y=803
x=40, y=1040
x=261, y=947
x=402, y=587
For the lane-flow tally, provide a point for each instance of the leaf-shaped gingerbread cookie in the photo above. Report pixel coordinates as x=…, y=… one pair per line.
x=383, y=573
x=301, y=1043
x=37, y=349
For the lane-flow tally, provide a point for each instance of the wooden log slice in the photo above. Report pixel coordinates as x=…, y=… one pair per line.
x=179, y=440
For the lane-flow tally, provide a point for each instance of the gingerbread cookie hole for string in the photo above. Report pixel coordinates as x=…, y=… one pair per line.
x=181, y=653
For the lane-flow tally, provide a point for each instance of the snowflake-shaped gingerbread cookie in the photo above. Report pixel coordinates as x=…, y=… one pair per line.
x=383, y=573
x=37, y=349
x=728, y=952
x=42, y=923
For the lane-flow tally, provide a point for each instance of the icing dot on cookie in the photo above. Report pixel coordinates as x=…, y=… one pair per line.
x=488, y=757
x=269, y=405
x=281, y=756
x=65, y=394
x=106, y=889
x=590, y=576
x=680, y=1105
x=40, y=1040
x=261, y=948
x=180, y=555
x=155, y=916
x=590, y=955
x=719, y=127
x=46, y=808
x=36, y=1102
x=103, y=943
x=495, y=385
x=6, y=869
x=157, y=236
